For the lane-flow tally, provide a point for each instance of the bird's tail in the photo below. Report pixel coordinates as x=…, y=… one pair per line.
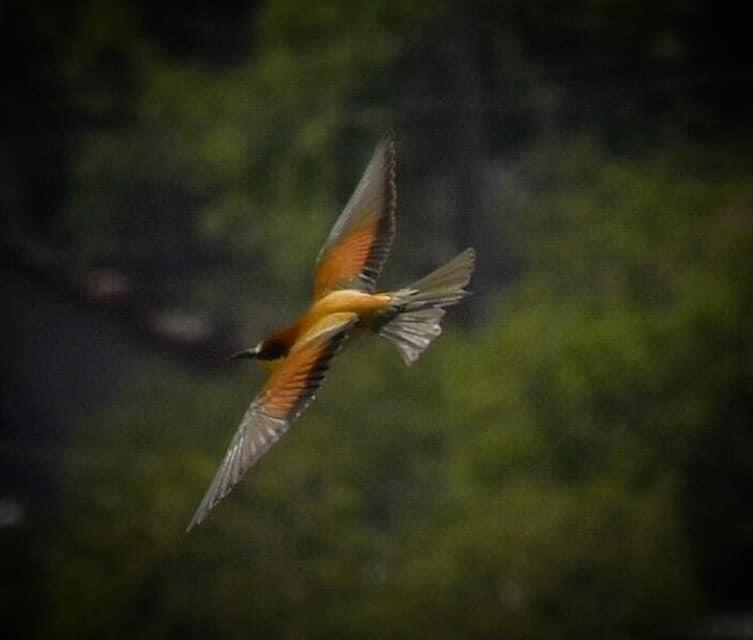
x=413, y=320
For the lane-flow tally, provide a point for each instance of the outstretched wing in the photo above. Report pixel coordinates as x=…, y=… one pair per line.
x=289, y=390
x=360, y=241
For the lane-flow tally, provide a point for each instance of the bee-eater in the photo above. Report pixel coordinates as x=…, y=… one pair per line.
x=344, y=302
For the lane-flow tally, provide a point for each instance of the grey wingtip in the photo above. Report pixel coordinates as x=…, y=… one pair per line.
x=384, y=153
x=198, y=517
x=195, y=520
x=388, y=139
x=211, y=498
x=469, y=252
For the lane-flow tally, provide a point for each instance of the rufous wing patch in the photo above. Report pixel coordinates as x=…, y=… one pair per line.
x=289, y=390
x=360, y=241
x=345, y=261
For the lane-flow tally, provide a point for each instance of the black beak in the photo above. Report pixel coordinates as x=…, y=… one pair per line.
x=248, y=353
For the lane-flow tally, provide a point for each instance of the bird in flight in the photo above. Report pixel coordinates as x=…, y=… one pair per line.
x=345, y=301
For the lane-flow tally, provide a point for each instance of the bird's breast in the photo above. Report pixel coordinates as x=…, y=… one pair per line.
x=365, y=305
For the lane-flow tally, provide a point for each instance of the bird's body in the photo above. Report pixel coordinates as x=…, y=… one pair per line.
x=344, y=302
x=366, y=306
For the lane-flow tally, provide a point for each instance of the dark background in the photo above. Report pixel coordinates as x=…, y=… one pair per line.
x=573, y=458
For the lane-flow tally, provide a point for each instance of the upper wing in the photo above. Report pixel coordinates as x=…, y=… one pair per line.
x=289, y=390
x=360, y=241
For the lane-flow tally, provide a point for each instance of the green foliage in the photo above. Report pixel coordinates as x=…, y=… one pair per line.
x=574, y=462
x=527, y=479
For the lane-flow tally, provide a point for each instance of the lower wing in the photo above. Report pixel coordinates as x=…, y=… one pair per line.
x=290, y=389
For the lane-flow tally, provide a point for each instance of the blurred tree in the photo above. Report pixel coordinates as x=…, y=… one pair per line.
x=573, y=466
x=556, y=494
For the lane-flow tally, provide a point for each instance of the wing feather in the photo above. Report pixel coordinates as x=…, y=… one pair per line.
x=360, y=241
x=289, y=390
